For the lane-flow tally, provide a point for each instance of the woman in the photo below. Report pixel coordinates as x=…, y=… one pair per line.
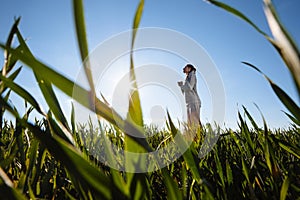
x=189, y=89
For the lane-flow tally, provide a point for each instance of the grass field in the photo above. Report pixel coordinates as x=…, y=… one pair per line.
x=54, y=159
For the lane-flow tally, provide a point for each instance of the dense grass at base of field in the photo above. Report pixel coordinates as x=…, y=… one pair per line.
x=51, y=158
x=248, y=163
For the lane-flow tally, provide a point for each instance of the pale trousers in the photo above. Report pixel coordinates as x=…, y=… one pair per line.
x=193, y=113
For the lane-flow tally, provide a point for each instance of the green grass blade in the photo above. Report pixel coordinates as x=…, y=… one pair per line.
x=277, y=24
x=82, y=40
x=22, y=92
x=7, y=189
x=32, y=155
x=19, y=136
x=266, y=147
x=67, y=86
x=12, y=32
x=104, y=99
x=245, y=170
x=251, y=119
x=219, y=169
x=246, y=133
x=12, y=78
x=51, y=99
x=284, y=98
x=284, y=188
x=292, y=118
x=139, y=186
x=173, y=191
x=286, y=47
x=135, y=110
x=134, y=113
x=171, y=126
x=80, y=28
x=10, y=61
x=8, y=107
x=45, y=86
x=136, y=21
x=283, y=43
x=237, y=13
x=229, y=173
x=15, y=74
x=73, y=123
x=289, y=148
x=64, y=133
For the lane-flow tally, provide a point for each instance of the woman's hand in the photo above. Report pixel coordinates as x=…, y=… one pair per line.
x=180, y=83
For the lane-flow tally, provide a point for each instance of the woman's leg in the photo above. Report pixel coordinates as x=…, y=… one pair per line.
x=193, y=112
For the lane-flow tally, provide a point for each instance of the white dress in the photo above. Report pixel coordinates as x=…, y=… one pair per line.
x=193, y=102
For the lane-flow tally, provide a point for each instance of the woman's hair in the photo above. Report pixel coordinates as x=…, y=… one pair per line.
x=191, y=66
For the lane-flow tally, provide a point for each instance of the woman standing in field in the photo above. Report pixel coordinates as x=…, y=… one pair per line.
x=189, y=89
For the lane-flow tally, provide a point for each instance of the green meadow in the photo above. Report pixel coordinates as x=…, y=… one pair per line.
x=54, y=157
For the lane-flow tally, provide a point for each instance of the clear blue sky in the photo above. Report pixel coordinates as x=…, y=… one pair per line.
x=49, y=28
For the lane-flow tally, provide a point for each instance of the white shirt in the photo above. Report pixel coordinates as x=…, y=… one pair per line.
x=189, y=89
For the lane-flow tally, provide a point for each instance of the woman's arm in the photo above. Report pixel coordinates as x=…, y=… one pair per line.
x=189, y=83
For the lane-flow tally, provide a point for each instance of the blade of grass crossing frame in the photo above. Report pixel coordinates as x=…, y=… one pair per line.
x=245, y=170
x=228, y=173
x=73, y=123
x=284, y=188
x=286, y=47
x=171, y=125
x=246, y=133
x=251, y=119
x=135, y=110
x=284, y=98
x=136, y=21
x=265, y=144
x=9, y=61
x=219, y=169
x=52, y=100
x=238, y=14
x=44, y=85
x=283, y=43
x=13, y=30
x=139, y=186
x=11, y=77
x=67, y=86
x=82, y=40
x=269, y=6
x=173, y=191
x=292, y=118
x=134, y=113
x=292, y=149
x=22, y=92
x=59, y=130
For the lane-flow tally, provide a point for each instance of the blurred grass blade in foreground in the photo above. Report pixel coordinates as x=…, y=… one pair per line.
x=282, y=42
x=284, y=98
x=286, y=46
x=82, y=42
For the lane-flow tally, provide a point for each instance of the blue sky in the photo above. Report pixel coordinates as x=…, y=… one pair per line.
x=49, y=29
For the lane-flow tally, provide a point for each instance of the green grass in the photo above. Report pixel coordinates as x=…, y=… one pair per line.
x=246, y=163
x=53, y=159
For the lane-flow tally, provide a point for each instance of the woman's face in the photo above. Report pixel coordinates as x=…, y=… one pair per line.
x=186, y=69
